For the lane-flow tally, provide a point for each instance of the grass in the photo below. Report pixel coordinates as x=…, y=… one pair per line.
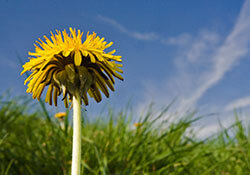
x=32, y=144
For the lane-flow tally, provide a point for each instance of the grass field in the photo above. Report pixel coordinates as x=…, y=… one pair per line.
x=31, y=143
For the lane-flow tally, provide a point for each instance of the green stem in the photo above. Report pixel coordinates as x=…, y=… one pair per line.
x=76, y=150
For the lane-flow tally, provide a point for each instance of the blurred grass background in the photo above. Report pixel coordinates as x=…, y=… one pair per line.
x=31, y=143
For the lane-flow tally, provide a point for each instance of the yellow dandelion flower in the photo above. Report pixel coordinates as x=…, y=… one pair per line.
x=60, y=115
x=66, y=64
x=137, y=124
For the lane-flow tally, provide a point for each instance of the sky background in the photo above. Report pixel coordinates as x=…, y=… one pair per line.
x=194, y=51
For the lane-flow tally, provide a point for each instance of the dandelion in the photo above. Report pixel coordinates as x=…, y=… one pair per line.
x=137, y=125
x=77, y=70
x=60, y=115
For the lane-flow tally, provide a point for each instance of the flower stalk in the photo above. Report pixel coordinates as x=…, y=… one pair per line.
x=77, y=124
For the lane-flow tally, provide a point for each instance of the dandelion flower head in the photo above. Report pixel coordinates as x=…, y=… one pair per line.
x=60, y=115
x=67, y=65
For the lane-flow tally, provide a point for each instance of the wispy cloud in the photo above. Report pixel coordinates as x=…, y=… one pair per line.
x=202, y=46
x=133, y=34
x=180, y=40
x=238, y=103
x=209, y=130
x=226, y=121
x=234, y=48
x=192, y=61
x=202, y=63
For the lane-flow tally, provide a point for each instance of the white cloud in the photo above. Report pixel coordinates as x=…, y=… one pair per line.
x=234, y=48
x=202, y=46
x=180, y=40
x=133, y=34
x=226, y=121
x=202, y=63
x=238, y=103
x=207, y=131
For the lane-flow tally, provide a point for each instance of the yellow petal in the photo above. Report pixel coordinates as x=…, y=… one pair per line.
x=112, y=52
x=66, y=53
x=99, y=57
x=85, y=99
x=48, y=98
x=56, y=93
x=66, y=103
x=92, y=58
x=78, y=58
x=108, y=45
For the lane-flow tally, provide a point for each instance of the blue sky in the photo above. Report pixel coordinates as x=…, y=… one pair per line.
x=195, y=51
